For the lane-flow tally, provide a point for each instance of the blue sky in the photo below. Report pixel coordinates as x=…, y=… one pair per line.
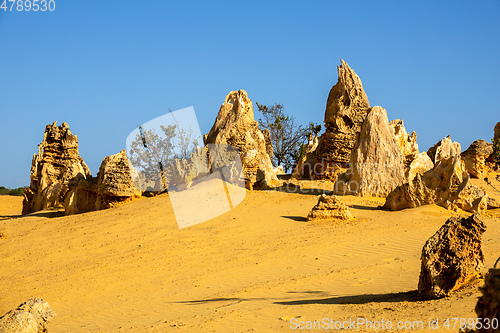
x=105, y=67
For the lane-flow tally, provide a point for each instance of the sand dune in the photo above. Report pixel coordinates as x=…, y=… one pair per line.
x=251, y=269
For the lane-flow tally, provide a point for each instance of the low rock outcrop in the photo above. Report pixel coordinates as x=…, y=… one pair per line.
x=112, y=185
x=329, y=207
x=488, y=304
x=478, y=159
x=451, y=257
x=444, y=149
x=235, y=126
x=376, y=165
x=33, y=316
x=446, y=185
x=56, y=163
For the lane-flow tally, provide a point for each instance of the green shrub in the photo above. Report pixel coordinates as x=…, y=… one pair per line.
x=17, y=191
x=7, y=191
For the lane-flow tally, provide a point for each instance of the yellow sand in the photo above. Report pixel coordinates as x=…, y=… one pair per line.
x=253, y=268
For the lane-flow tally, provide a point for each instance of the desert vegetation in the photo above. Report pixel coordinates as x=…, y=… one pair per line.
x=8, y=191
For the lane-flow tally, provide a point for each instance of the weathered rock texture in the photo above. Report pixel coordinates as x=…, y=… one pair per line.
x=414, y=162
x=329, y=207
x=376, y=165
x=478, y=159
x=407, y=143
x=32, y=316
x=303, y=169
x=444, y=149
x=497, y=132
x=112, y=185
x=451, y=257
x=420, y=164
x=488, y=304
x=183, y=172
x=446, y=185
x=346, y=109
x=56, y=163
x=235, y=126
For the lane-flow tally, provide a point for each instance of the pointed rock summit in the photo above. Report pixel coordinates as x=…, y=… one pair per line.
x=56, y=163
x=346, y=109
x=235, y=126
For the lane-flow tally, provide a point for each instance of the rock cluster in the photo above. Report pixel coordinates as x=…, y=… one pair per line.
x=446, y=185
x=451, y=257
x=113, y=184
x=33, y=316
x=376, y=163
x=235, y=126
x=56, y=163
x=488, y=304
x=329, y=207
x=478, y=159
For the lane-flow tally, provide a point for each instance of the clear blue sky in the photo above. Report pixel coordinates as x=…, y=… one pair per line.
x=105, y=67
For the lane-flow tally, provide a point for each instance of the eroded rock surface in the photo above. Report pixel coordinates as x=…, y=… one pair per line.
x=329, y=207
x=56, y=163
x=33, y=316
x=407, y=143
x=112, y=185
x=488, y=304
x=446, y=185
x=451, y=257
x=478, y=159
x=497, y=132
x=376, y=164
x=235, y=126
x=346, y=109
x=444, y=149
x=304, y=166
x=421, y=163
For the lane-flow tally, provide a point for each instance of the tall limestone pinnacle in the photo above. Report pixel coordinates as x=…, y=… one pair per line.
x=56, y=163
x=346, y=109
x=235, y=125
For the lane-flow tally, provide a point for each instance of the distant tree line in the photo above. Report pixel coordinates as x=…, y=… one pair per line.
x=7, y=191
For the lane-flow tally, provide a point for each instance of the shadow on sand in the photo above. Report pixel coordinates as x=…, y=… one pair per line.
x=409, y=296
x=43, y=213
x=296, y=218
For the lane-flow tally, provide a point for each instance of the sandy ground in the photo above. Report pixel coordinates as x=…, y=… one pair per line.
x=254, y=268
